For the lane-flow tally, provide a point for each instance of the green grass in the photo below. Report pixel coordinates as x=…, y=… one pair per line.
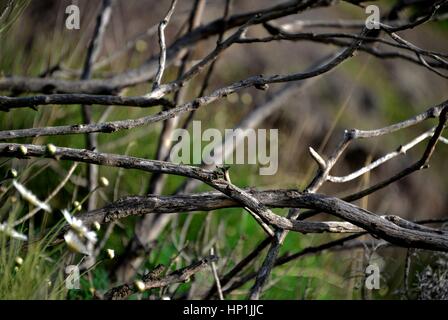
x=30, y=271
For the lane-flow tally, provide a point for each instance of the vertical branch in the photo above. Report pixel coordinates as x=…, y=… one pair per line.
x=215, y=276
x=208, y=75
x=162, y=44
x=93, y=52
x=164, y=147
x=320, y=178
x=407, y=269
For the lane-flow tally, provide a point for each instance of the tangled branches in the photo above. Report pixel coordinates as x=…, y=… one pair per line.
x=155, y=210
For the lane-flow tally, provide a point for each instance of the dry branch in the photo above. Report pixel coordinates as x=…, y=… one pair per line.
x=154, y=280
x=370, y=222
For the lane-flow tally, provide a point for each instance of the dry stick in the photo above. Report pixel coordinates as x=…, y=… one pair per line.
x=419, y=52
x=384, y=228
x=113, y=126
x=407, y=269
x=93, y=52
x=239, y=35
x=216, y=277
x=435, y=111
x=432, y=112
x=153, y=204
x=165, y=89
x=420, y=164
x=402, y=43
x=144, y=205
x=162, y=44
x=7, y=103
x=286, y=30
x=422, y=20
x=400, y=151
x=148, y=70
x=153, y=280
x=298, y=25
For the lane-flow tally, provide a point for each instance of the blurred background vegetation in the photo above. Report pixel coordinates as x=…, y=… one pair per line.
x=363, y=93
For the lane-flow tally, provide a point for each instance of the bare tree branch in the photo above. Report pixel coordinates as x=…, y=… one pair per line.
x=162, y=44
x=7, y=103
x=152, y=280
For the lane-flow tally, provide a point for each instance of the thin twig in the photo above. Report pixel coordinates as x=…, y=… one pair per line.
x=216, y=277
x=162, y=44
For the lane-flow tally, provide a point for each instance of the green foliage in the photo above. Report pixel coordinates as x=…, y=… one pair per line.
x=10, y=11
x=30, y=270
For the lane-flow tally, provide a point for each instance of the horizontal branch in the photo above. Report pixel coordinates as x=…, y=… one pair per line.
x=254, y=81
x=440, y=111
x=418, y=165
x=208, y=201
x=430, y=113
x=278, y=33
x=106, y=159
x=154, y=280
x=142, y=205
x=7, y=103
x=359, y=217
x=400, y=151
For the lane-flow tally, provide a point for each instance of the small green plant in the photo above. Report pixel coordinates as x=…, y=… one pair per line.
x=30, y=270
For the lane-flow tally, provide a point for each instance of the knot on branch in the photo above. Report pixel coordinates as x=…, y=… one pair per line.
x=350, y=134
x=109, y=128
x=196, y=104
